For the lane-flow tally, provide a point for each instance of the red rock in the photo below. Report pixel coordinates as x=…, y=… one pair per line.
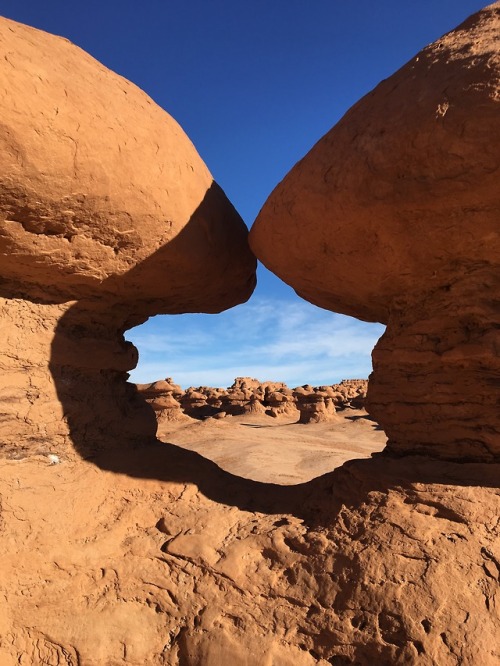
x=155, y=555
x=314, y=407
x=107, y=216
x=393, y=217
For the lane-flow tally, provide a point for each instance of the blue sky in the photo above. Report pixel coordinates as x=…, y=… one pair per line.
x=254, y=85
x=271, y=338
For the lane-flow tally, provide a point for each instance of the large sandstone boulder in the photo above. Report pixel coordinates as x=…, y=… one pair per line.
x=393, y=217
x=96, y=179
x=107, y=216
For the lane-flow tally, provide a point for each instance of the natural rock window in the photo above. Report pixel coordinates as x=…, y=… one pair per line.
x=263, y=430
x=117, y=548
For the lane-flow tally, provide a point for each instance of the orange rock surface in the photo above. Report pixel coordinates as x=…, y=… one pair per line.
x=393, y=217
x=107, y=216
x=151, y=554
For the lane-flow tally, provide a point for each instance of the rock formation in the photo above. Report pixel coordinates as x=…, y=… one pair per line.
x=393, y=217
x=152, y=555
x=107, y=216
x=249, y=396
x=163, y=396
x=314, y=406
x=280, y=403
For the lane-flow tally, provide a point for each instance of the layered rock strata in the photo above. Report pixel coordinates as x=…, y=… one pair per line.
x=107, y=216
x=393, y=217
x=163, y=396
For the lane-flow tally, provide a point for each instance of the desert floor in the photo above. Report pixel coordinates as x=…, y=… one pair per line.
x=279, y=451
x=110, y=561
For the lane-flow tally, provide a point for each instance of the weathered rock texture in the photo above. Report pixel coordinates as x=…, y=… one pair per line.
x=249, y=396
x=393, y=217
x=164, y=396
x=107, y=216
x=165, y=559
x=153, y=555
x=314, y=406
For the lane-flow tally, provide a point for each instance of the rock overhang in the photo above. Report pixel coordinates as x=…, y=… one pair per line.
x=401, y=196
x=393, y=216
x=108, y=216
x=101, y=191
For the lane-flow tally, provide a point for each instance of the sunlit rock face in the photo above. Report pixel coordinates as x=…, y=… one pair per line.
x=153, y=555
x=107, y=216
x=306, y=403
x=163, y=396
x=393, y=217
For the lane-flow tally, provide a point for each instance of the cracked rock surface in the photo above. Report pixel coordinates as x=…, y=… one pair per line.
x=387, y=561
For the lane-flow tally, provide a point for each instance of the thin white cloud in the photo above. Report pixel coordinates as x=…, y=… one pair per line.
x=167, y=342
x=278, y=340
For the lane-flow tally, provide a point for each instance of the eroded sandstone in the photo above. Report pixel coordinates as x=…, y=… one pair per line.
x=393, y=217
x=107, y=216
x=153, y=555
x=165, y=559
x=250, y=396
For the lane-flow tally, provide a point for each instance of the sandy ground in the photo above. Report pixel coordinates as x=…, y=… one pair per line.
x=279, y=451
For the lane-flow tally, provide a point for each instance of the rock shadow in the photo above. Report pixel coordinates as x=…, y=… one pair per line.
x=364, y=417
x=111, y=425
x=263, y=425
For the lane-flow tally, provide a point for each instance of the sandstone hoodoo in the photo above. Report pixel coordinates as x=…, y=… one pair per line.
x=153, y=554
x=249, y=396
x=107, y=216
x=393, y=217
x=164, y=396
x=314, y=406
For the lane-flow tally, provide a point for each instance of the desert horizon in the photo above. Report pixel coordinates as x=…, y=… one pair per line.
x=265, y=431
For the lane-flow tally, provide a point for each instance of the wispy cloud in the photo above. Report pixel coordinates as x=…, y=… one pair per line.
x=278, y=340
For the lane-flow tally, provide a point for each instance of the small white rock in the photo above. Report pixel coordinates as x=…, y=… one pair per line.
x=53, y=459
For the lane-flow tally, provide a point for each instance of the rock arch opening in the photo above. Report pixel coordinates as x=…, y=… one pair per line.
x=153, y=552
x=273, y=431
